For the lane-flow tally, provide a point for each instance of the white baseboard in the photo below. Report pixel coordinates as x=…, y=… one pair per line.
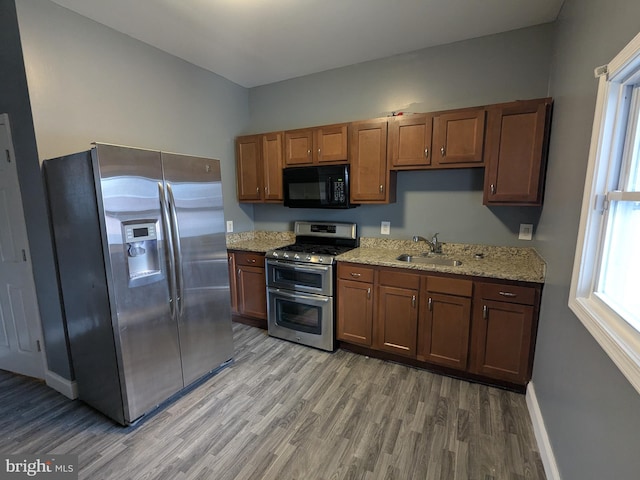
x=68, y=388
x=540, y=431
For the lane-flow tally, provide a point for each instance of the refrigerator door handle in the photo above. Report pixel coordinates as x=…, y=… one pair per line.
x=166, y=227
x=177, y=250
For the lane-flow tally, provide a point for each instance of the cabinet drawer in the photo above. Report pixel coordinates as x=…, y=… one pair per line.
x=249, y=259
x=355, y=272
x=508, y=293
x=391, y=278
x=451, y=286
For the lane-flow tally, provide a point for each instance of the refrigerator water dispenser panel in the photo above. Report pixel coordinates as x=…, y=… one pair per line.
x=142, y=252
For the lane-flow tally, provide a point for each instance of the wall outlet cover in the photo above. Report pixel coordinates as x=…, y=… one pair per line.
x=526, y=231
x=385, y=228
x=229, y=226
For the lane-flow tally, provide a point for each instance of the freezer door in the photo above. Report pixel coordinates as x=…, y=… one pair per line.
x=129, y=182
x=194, y=189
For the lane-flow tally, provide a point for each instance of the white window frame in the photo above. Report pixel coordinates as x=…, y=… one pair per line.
x=617, y=337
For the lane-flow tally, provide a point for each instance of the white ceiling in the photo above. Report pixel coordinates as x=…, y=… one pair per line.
x=256, y=42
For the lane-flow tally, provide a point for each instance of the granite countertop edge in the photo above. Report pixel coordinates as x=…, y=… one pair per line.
x=522, y=264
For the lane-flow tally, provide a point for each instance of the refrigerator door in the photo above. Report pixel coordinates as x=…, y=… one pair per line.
x=129, y=182
x=194, y=191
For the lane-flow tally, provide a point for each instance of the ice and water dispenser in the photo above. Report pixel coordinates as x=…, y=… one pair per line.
x=141, y=243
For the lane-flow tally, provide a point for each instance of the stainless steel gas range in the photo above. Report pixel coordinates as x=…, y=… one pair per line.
x=301, y=283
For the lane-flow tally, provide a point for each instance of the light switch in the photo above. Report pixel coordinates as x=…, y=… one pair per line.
x=229, y=226
x=385, y=228
x=526, y=231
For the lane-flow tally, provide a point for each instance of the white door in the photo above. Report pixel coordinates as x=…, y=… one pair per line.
x=19, y=317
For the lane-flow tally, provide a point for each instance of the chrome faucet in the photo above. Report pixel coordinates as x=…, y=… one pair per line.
x=435, y=246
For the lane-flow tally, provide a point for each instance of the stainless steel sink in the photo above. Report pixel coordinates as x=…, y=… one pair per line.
x=429, y=260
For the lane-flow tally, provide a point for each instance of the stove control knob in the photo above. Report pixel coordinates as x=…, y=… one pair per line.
x=275, y=254
x=308, y=258
x=320, y=259
x=296, y=257
x=285, y=255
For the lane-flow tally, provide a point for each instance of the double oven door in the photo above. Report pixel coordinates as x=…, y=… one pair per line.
x=300, y=303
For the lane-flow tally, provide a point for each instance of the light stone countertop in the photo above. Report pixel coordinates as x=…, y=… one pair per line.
x=259, y=241
x=509, y=263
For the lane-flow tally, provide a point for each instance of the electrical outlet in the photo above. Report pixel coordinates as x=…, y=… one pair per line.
x=229, y=226
x=385, y=228
x=526, y=231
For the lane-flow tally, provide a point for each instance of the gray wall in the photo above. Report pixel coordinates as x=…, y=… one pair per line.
x=14, y=100
x=590, y=410
x=482, y=71
x=89, y=83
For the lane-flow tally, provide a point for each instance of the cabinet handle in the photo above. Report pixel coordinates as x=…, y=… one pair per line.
x=430, y=304
x=485, y=312
x=413, y=301
x=493, y=189
x=356, y=275
x=309, y=153
x=229, y=260
x=252, y=260
x=258, y=190
x=443, y=151
x=266, y=189
x=426, y=152
x=238, y=272
x=318, y=153
x=381, y=188
x=368, y=293
x=508, y=294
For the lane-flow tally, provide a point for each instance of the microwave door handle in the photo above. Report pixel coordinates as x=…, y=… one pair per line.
x=330, y=190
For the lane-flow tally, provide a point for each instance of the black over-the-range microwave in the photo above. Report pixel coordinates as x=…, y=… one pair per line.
x=321, y=186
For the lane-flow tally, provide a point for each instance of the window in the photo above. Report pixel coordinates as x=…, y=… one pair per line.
x=605, y=288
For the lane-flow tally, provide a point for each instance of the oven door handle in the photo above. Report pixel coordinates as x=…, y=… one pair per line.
x=300, y=296
x=299, y=267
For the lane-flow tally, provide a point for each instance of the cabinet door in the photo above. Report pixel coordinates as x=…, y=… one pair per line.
x=444, y=332
x=459, y=138
x=517, y=138
x=252, y=291
x=397, y=321
x=355, y=312
x=298, y=145
x=502, y=340
x=249, y=168
x=233, y=286
x=370, y=180
x=410, y=141
x=331, y=144
x=272, y=161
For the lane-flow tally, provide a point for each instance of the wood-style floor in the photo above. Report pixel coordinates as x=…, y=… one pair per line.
x=284, y=411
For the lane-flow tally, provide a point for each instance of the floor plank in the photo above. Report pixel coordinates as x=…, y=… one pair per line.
x=285, y=411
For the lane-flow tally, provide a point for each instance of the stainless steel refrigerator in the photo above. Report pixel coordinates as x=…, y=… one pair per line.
x=140, y=246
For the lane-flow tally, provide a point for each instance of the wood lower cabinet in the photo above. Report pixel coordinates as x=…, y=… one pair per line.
x=409, y=141
x=371, y=181
x=445, y=322
x=504, y=328
x=355, y=304
x=259, y=162
x=459, y=325
x=317, y=145
x=248, y=286
x=516, y=152
x=396, y=316
x=458, y=138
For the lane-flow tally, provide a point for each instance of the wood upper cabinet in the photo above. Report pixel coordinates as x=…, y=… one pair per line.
x=259, y=162
x=516, y=151
x=396, y=316
x=409, y=142
x=458, y=138
x=249, y=285
x=445, y=321
x=371, y=181
x=308, y=146
x=504, y=328
x=355, y=304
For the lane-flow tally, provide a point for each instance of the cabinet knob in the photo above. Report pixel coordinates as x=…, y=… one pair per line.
x=309, y=153
x=426, y=153
x=381, y=188
x=318, y=152
x=443, y=151
x=493, y=189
